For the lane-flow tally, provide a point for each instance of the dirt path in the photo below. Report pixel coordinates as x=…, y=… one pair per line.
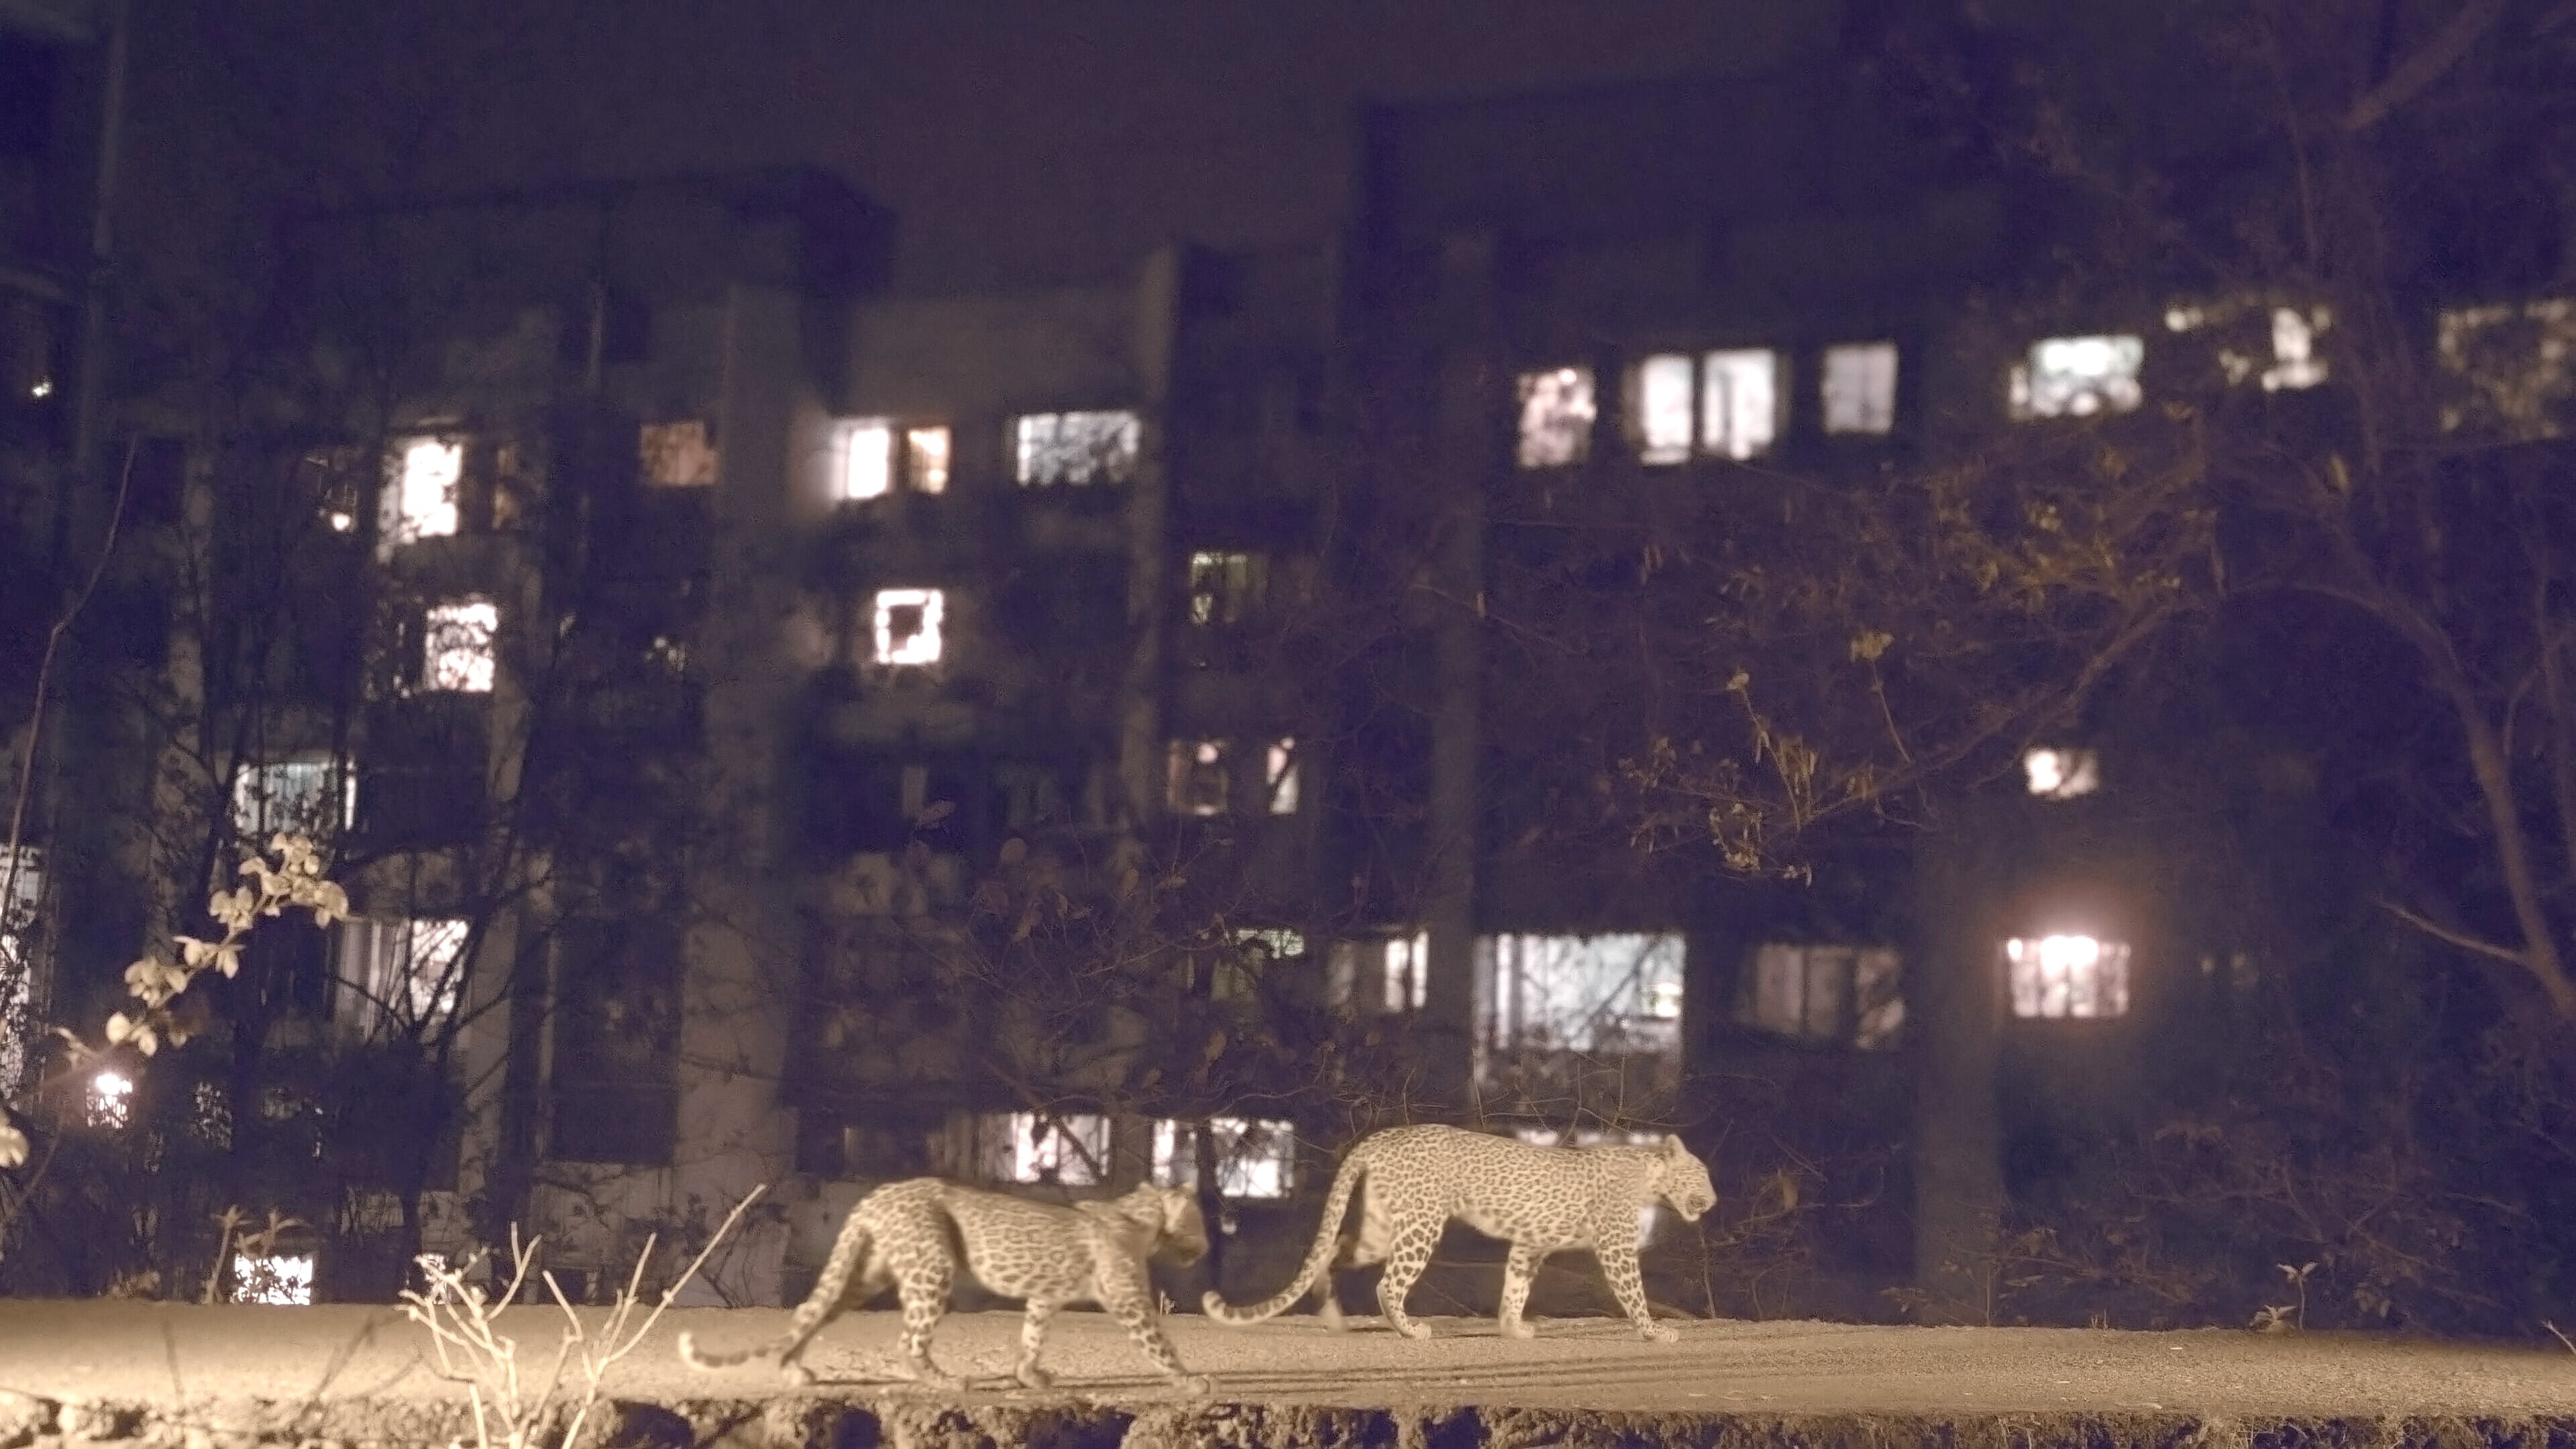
x=167, y=1355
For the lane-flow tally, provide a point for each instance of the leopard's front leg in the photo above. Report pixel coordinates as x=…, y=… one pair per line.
x=1033, y=1327
x=1128, y=1294
x=1618, y=1255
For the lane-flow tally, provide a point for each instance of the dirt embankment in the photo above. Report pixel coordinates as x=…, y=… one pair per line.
x=834, y=1422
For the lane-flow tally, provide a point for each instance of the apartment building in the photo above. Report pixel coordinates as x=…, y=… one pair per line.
x=781, y=729
x=60, y=73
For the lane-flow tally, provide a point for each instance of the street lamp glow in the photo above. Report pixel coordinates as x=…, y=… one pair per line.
x=111, y=1099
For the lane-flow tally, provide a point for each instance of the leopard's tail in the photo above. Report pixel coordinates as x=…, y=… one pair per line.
x=1318, y=1258
x=847, y=1255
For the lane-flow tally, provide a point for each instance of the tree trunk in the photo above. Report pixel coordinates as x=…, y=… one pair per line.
x=2540, y=955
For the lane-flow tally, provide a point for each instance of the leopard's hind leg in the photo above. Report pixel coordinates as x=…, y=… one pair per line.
x=865, y=1279
x=1128, y=1294
x=1413, y=1241
x=924, y=1284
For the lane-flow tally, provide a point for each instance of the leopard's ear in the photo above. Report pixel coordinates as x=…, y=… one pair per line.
x=1673, y=1147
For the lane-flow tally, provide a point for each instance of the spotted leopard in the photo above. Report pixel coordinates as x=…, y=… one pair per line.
x=1540, y=1199
x=914, y=1235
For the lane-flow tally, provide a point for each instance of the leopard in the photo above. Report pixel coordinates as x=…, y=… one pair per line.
x=1539, y=1199
x=915, y=1234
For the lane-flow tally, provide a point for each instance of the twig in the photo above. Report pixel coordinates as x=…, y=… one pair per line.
x=2460, y=939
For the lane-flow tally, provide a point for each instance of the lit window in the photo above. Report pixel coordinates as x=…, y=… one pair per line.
x=867, y=461
x=1618, y=992
x=1078, y=447
x=2512, y=369
x=1070, y=1151
x=1390, y=973
x=1254, y=1157
x=2295, y=364
x=925, y=459
x=2059, y=976
x=2076, y=377
x=281, y=1279
x=1280, y=777
x=1557, y=410
x=18, y=945
x=677, y=454
x=211, y=1116
x=1227, y=588
x=1739, y=402
x=458, y=653
x=1277, y=942
x=1725, y=403
x=2272, y=346
x=2057, y=774
x=1825, y=993
x=1195, y=777
x=313, y=798
x=420, y=499
x=1858, y=387
x=330, y=477
x=408, y=972
x=1662, y=409
x=907, y=625
x=110, y=1101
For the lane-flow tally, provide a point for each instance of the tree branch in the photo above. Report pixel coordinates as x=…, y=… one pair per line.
x=2425, y=66
x=2474, y=944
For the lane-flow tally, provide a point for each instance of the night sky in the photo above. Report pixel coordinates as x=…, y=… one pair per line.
x=1019, y=140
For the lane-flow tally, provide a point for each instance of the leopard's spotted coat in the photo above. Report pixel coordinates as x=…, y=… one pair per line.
x=1539, y=1199
x=914, y=1235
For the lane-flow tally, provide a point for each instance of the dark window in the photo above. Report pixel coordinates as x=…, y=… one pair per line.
x=423, y=783
x=854, y=803
x=617, y=1040
x=288, y=963
x=157, y=491
x=30, y=79
x=621, y=321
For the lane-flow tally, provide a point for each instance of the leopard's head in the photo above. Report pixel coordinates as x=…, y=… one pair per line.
x=1182, y=1234
x=1686, y=1183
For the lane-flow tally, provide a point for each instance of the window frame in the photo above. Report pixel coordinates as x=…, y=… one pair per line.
x=2124, y=394
x=885, y=652
x=479, y=676
x=1115, y=467
x=1699, y=398
x=905, y=471
x=1528, y=453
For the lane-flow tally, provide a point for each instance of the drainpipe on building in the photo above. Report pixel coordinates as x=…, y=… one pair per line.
x=1468, y=453
x=102, y=235
x=1955, y=1025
